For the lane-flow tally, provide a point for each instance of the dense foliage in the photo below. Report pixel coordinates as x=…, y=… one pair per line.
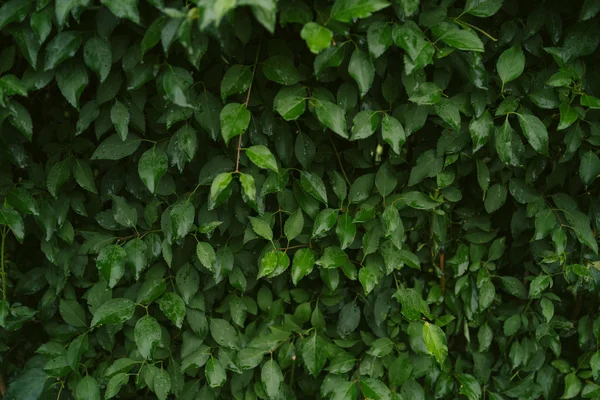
x=298, y=199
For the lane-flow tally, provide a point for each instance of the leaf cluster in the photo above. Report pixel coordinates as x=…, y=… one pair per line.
x=299, y=199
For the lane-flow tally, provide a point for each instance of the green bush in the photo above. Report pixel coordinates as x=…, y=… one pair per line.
x=299, y=199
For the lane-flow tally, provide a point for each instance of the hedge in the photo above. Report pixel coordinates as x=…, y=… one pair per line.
x=299, y=199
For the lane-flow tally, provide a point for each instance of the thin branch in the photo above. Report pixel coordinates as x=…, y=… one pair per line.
x=339, y=160
x=239, y=146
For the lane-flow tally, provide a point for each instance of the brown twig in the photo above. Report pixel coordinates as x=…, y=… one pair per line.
x=2, y=386
x=443, y=268
x=293, y=247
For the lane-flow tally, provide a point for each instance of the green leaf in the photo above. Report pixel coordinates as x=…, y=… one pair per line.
x=152, y=35
x=72, y=79
x=111, y=264
x=281, y=69
x=329, y=58
x=215, y=373
x=514, y=287
x=509, y=146
x=510, y=64
x=150, y=290
x=98, y=56
x=11, y=85
x=419, y=201
x=461, y=39
x=261, y=228
x=435, y=340
x=568, y=116
x=483, y=8
x=58, y=175
x=361, y=188
x=73, y=314
x=237, y=79
x=119, y=115
x=114, y=385
x=589, y=10
x=31, y=383
x=152, y=166
x=409, y=7
x=147, y=334
x=87, y=389
x=374, y=389
x=317, y=37
x=495, y=197
x=273, y=263
x=347, y=10
x=223, y=333
x=483, y=176
x=123, y=212
x=589, y=101
x=182, y=218
x=115, y=311
x=126, y=9
x=302, y=264
x=496, y=249
x=248, y=189
x=469, y=386
x=88, y=114
x=361, y=69
x=427, y=93
x=113, y=148
x=578, y=221
x=290, y=102
x=332, y=116
x=449, y=112
x=13, y=11
x=206, y=255
x=379, y=38
x=314, y=186
x=262, y=157
x=234, y=119
x=364, y=125
x=313, y=353
x=176, y=83
x=173, y=306
x=271, y=378
x=535, y=132
x=62, y=47
x=428, y=166
x=21, y=119
x=294, y=225
x=162, y=384
x=188, y=282
x=412, y=40
x=84, y=176
x=589, y=167
x=345, y=230
x=348, y=319
x=324, y=222
x=22, y=200
x=219, y=185
x=572, y=386
x=393, y=133
x=481, y=129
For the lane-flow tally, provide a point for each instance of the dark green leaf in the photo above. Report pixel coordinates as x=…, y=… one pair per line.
x=114, y=311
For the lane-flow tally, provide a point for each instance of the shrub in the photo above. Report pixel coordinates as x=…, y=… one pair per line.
x=296, y=199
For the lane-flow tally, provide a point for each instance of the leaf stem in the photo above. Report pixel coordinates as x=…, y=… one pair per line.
x=463, y=23
x=339, y=160
x=3, y=271
x=239, y=146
